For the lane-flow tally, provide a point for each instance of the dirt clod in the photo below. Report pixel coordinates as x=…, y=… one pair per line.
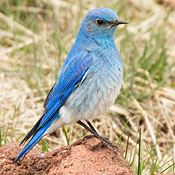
x=84, y=157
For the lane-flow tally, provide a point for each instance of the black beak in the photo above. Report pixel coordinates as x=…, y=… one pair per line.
x=118, y=22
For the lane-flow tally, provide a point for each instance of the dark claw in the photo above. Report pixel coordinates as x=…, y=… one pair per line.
x=88, y=137
x=104, y=140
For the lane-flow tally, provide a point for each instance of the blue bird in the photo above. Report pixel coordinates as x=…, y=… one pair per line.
x=88, y=82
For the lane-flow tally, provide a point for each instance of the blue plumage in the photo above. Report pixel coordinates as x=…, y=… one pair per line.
x=89, y=80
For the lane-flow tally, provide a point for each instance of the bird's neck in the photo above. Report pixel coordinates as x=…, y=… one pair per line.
x=106, y=42
x=84, y=39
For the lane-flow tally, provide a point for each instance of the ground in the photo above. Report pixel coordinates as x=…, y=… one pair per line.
x=84, y=157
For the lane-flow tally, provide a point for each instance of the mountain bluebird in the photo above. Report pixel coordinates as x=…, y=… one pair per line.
x=88, y=82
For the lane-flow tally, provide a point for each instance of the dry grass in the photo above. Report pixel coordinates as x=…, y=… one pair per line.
x=32, y=51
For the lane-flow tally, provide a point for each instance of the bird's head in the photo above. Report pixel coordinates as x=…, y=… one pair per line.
x=101, y=22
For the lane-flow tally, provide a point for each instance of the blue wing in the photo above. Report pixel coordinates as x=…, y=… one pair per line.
x=73, y=71
x=70, y=76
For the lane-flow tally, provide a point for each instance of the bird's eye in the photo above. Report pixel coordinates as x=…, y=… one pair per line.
x=99, y=21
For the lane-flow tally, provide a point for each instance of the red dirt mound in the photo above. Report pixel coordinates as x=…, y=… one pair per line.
x=84, y=157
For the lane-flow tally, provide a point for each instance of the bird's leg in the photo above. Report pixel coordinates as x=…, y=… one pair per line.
x=103, y=139
x=89, y=129
x=85, y=126
x=91, y=126
x=95, y=134
x=93, y=131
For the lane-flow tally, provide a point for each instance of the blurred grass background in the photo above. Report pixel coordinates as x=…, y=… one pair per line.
x=36, y=36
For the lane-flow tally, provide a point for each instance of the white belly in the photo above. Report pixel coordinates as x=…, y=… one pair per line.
x=90, y=99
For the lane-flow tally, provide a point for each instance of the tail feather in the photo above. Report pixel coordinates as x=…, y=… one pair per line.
x=34, y=140
x=32, y=132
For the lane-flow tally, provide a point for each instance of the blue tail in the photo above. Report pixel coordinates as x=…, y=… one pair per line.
x=34, y=140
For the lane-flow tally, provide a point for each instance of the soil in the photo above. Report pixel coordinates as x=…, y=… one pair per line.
x=84, y=157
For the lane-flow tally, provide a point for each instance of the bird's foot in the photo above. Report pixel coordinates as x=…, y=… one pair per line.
x=91, y=129
x=104, y=140
x=88, y=137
